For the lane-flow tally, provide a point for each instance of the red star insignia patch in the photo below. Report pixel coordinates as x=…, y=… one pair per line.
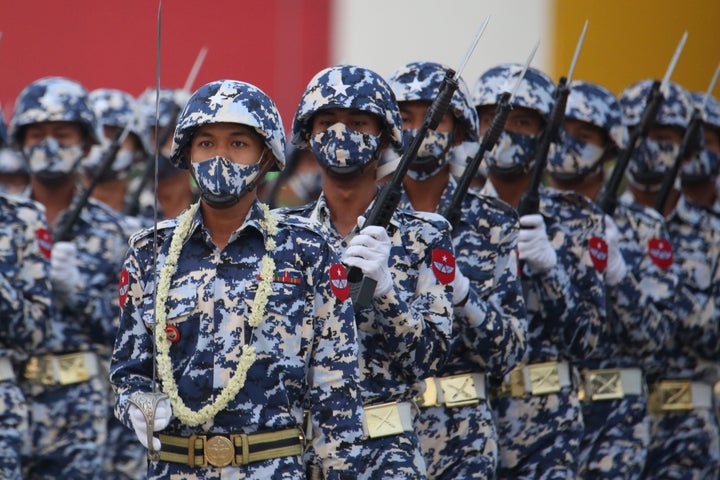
x=661, y=252
x=443, y=265
x=44, y=242
x=338, y=281
x=598, y=253
x=124, y=287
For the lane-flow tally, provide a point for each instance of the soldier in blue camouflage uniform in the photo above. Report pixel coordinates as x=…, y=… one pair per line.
x=640, y=314
x=25, y=310
x=252, y=312
x=348, y=116
x=175, y=191
x=684, y=430
x=55, y=126
x=456, y=427
x=115, y=109
x=562, y=252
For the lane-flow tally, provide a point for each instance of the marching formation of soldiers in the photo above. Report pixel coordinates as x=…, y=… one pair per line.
x=174, y=326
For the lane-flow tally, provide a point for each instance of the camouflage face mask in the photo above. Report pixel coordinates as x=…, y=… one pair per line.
x=651, y=159
x=222, y=182
x=703, y=166
x=433, y=151
x=341, y=148
x=514, y=152
x=49, y=160
x=572, y=157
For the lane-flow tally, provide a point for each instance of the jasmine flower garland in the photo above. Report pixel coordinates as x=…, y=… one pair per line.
x=247, y=358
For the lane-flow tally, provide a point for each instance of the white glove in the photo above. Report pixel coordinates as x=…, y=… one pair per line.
x=163, y=413
x=534, y=246
x=369, y=251
x=461, y=287
x=616, y=268
x=64, y=273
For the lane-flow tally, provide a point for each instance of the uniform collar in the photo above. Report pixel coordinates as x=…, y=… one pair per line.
x=321, y=214
x=254, y=220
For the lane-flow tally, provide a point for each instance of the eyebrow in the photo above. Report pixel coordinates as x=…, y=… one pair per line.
x=234, y=133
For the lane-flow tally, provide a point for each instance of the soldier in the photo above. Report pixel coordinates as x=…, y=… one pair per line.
x=539, y=419
x=300, y=182
x=684, y=430
x=348, y=116
x=251, y=312
x=115, y=109
x=25, y=309
x=641, y=318
x=55, y=126
x=455, y=425
x=175, y=191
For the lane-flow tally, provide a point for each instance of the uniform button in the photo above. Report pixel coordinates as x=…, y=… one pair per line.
x=173, y=334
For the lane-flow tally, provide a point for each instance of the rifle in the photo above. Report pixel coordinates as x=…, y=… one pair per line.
x=388, y=199
x=452, y=211
x=607, y=198
x=132, y=207
x=530, y=200
x=63, y=231
x=689, y=141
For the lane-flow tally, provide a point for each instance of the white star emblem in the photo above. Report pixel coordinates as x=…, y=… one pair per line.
x=416, y=85
x=336, y=83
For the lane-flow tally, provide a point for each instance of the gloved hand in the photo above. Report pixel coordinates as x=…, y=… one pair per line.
x=534, y=246
x=163, y=413
x=64, y=273
x=369, y=251
x=616, y=268
x=461, y=287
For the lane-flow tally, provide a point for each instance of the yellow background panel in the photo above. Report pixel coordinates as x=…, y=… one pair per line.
x=631, y=40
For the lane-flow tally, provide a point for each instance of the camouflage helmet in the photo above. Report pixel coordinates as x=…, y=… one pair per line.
x=536, y=90
x=674, y=110
x=3, y=131
x=596, y=105
x=705, y=163
x=169, y=107
x=229, y=101
x=54, y=99
x=115, y=108
x=422, y=81
x=711, y=115
x=347, y=86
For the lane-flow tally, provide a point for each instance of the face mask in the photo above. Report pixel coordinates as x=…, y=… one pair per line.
x=119, y=168
x=514, y=152
x=222, y=182
x=433, y=151
x=306, y=185
x=343, y=150
x=572, y=157
x=701, y=167
x=651, y=159
x=49, y=160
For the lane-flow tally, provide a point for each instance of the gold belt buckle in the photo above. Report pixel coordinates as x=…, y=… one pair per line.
x=517, y=383
x=72, y=369
x=219, y=451
x=544, y=378
x=459, y=390
x=674, y=395
x=605, y=384
x=383, y=420
x=429, y=397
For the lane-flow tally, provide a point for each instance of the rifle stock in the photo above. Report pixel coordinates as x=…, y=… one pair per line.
x=530, y=200
x=388, y=199
x=607, y=198
x=452, y=211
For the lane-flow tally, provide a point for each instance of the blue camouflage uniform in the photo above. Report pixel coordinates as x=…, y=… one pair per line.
x=404, y=333
x=456, y=426
x=640, y=313
x=306, y=347
x=26, y=310
x=64, y=381
x=539, y=418
x=684, y=431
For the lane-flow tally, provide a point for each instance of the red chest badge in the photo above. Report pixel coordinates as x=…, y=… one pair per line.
x=172, y=333
x=44, y=242
x=598, y=253
x=338, y=282
x=443, y=265
x=660, y=252
x=124, y=286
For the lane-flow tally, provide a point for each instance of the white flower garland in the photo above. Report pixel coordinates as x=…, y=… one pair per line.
x=237, y=381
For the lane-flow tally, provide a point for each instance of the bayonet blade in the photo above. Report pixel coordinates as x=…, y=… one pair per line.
x=710, y=89
x=578, y=47
x=522, y=73
x=195, y=69
x=472, y=48
x=673, y=62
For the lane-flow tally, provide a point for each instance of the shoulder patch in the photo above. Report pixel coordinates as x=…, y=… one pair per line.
x=338, y=281
x=598, y=253
x=443, y=265
x=661, y=252
x=45, y=241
